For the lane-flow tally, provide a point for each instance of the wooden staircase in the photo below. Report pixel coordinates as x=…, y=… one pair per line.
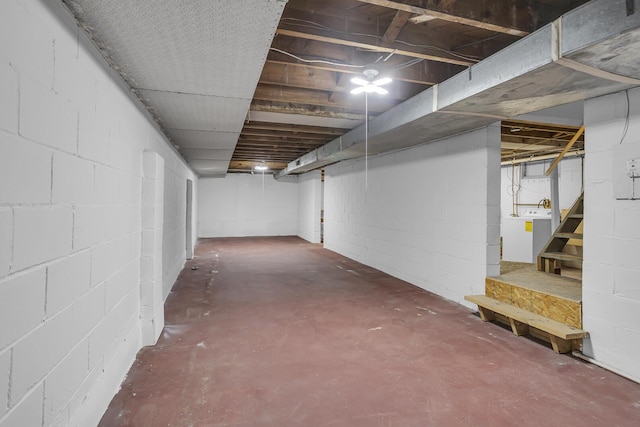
x=545, y=306
x=551, y=257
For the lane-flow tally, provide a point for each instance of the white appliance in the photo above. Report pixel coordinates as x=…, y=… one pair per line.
x=523, y=237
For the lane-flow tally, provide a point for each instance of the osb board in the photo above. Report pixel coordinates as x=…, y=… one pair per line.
x=551, y=284
x=497, y=290
x=521, y=297
x=558, y=309
x=555, y=297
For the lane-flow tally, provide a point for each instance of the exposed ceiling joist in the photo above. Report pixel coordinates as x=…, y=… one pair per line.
x=294, y=129
x=306, y=77
x=413, y=53
x=399, y=21
x=305, y=109
x=497, y=24
x=319, y=98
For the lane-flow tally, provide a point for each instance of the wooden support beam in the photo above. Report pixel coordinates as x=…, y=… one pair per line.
x=395, y=27
x=314, y=97
x=565, y=150
x=292, y=128
x=425, y=14
x=486, y=315
x=341, y=83
x=518, y=328
x=443, y=57
x=419, y=74
x=302, y=109
x=426, y=72
x=305, y=77
x=560, y=345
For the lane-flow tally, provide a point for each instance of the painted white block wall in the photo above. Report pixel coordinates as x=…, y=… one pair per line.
x=611, y=269
x=536, y=189
x=242, y=205
x=309, y=206
x=71, y=146
x=428, y=215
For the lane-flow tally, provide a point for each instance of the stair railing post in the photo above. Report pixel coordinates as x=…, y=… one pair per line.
x=555, y=200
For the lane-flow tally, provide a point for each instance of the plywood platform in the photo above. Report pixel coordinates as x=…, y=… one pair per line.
x=549, y=295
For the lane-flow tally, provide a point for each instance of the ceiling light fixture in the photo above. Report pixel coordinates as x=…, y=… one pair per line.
x=368, y=86
x=261, y=168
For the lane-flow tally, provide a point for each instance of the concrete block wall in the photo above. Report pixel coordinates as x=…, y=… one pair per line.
x=611, y=269
x=536, y=189
x=241, y=205
x=71, y=147
x=429, y=215
x=309, y=206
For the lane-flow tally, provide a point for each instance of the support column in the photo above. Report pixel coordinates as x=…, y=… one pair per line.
x=151, y=302
x=555, y=200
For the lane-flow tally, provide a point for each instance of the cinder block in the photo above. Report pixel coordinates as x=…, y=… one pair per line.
x=627, y=284
x=112, y=256
x=25, y=171
x=107, y=185
x=93, y=136
x=46, y=117
x=597, y=276
x=101, y=340
x=22, y=304
x=41, y=234
x=67, y=280
x=28, y=411
x=88, y=311
x=62, y=418
x=6, y=240
x=73, y=79
x=626, y=253
x=31, y=362
x=627, y=223
x=131, y=188
x=72, y=180
x=64, y=380
x=33, y=55
x=628, y=345
x=600, y=329
x=121, y=283
x=9, y=103
x=90, y=226
x=103, y=262
x=600, y=249
x=5, y=371
x=85, y=394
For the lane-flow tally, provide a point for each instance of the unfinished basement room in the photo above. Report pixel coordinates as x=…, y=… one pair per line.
x=319, y=213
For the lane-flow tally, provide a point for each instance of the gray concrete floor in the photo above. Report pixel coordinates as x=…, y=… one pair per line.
x=280, y=332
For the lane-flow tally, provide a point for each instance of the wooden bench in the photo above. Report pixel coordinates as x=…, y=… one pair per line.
x=560, y=335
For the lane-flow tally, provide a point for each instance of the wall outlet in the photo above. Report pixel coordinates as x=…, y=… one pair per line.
x=633, y=168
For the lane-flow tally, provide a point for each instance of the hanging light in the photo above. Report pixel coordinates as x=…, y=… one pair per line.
x=369, y=85
x=261, y=167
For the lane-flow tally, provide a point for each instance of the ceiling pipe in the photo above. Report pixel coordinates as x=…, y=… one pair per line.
x=577, y=57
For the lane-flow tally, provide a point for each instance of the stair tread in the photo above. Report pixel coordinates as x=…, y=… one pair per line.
x=565, y=235
x=562, y=256
x=576, y=215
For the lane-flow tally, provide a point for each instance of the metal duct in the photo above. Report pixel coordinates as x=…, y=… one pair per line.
x=591, y=51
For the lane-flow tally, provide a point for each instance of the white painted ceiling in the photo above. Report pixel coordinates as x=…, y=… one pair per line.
x=194, y=63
